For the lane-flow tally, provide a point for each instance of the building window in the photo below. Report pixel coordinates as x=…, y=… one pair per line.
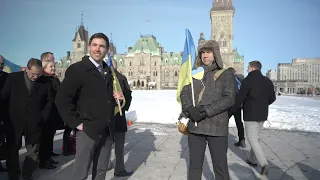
x=142, y=83
x=155, y=63
x=176, y=72
x=130, y=64
x=130, y=72
x=166, y=60
x=155, y=73
x=78, y=45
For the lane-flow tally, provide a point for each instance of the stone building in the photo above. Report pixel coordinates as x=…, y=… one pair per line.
x=222, y=14
x=303, y=74
x=148, y=66
x=272, y=74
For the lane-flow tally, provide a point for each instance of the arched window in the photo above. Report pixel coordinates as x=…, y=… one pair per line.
x=142, y=83
x=130, y=64
x=175, y=72
x=138, y=83
x=155, y=63
x=134, y=83
x=166, y=60
x=155, y=73
x=130, y=72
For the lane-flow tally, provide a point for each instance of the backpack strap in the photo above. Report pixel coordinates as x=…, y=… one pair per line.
x=215, y=77
x=218, y=73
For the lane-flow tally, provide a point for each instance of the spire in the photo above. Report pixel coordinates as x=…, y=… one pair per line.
x=82, y=18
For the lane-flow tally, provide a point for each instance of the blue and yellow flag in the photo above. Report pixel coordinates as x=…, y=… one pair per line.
x=116, y=87
x=187, y=65
x=10, y=67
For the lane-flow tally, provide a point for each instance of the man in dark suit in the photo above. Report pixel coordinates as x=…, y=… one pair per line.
x=120, y=124
x=29, y=97
x=256, y=94
x=3, y=78
x=86, y=101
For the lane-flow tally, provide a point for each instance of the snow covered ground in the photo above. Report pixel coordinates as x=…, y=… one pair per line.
x=288, y=112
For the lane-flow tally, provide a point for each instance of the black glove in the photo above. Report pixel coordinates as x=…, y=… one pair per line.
x=197, y=113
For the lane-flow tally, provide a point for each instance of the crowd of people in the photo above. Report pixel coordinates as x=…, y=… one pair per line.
x=34, y=104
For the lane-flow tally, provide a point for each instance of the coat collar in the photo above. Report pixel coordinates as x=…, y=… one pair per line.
x=91, y=67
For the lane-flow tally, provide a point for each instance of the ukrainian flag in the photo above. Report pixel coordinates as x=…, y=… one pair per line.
x=116, y=86
x=187, y=65
x=10, y=67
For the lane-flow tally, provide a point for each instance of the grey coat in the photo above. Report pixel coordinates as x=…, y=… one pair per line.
x=219, y=96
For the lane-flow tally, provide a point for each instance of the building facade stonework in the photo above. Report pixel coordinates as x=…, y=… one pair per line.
x=302, y=75
x=148, y=66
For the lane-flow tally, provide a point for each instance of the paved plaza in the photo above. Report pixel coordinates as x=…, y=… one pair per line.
x=158, y=152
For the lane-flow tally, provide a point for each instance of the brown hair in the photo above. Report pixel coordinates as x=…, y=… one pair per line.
x=256, y=65
x=34, y=62
x=100, y=36
x=45, y=55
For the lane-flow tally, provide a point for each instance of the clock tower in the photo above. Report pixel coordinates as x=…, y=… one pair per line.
x=221, y=15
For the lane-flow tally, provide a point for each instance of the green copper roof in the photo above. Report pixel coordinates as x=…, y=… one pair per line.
x=237, y=57
x=119, y=58
x=146, y=44
x=170, y=58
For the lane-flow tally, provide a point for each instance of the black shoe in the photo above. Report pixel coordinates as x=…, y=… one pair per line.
x=2, y=169
x=251, y=163
x=47, y=165
x=54, y=154
x=51, y=161
x=123, y=173
x=241, y=143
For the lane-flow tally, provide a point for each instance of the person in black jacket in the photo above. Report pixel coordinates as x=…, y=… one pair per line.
x=53, y=123
x=120, y=124
x=86, y=101
x=256, y=94
x=3, y=78
x=29, y=97
x=237, y=115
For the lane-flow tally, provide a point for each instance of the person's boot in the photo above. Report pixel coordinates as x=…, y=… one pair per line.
x=241, y=143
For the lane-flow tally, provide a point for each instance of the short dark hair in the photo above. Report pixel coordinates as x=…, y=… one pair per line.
x=44, y=55
x=34, y=62
x=256, y=65
x=100, y=36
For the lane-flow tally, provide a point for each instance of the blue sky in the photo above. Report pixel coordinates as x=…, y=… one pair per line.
x=271, y=31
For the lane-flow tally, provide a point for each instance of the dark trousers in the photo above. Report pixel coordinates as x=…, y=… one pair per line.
x=237, y=118
x=66, y=139
x=46, y=143
x=89, y=150
x=30, y=163
x=119, y=140
x=218, y=147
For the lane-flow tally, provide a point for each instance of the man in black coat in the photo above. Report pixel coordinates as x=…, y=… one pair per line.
x=256, y=94
x=237, y=114
x=29, y=97
x=120, y=124
x=3, y=78
x=86, y=101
